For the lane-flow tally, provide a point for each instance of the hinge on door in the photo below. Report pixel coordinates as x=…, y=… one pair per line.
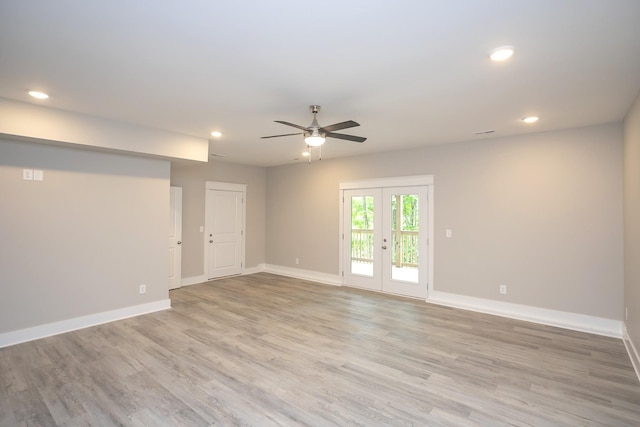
x=242, y=232
x=343, y=274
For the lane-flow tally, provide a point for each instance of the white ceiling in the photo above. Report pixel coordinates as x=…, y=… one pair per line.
x=412, y=73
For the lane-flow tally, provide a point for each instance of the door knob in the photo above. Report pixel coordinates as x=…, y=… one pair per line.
x=384, y=247
x=210, y=241
x=179, y=243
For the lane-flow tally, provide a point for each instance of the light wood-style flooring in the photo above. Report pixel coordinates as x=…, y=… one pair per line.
x=265, y=350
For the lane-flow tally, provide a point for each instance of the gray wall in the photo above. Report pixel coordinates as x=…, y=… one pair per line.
x=192, y=180
x=632, y=220
x=540, y=213
x=81, y=241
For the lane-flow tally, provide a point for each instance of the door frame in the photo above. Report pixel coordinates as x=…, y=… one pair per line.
x=223, y=186
x=401, y=181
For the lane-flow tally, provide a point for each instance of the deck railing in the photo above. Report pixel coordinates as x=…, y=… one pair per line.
x=404, y=247
x=362, y=245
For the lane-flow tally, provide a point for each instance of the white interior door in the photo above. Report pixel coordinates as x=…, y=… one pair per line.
x=386, y=233
x=224, y=234
x=175, y=237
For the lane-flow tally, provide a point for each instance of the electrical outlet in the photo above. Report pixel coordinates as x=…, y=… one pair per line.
x=448, y=233
x=503, y=289
x=143, y=289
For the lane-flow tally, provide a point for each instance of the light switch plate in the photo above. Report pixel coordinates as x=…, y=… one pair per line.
x=27, y=174
x=38, y=175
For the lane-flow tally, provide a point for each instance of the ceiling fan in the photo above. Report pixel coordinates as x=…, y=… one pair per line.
x=315, y=135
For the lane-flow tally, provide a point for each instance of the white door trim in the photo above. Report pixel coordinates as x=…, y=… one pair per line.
x=398, y=181
x=401, y=181
x=224, y=186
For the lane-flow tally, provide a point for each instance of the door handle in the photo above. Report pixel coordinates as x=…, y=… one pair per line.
x=384, y=247
x=179, y=243
x=210, y=241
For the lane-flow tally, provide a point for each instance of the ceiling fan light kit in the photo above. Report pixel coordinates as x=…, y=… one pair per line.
x=314, y=140
x=315, y=135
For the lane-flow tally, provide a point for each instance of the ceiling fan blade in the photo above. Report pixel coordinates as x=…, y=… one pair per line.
x=339, y=126
x=347, y=137
x=291, y=124
x=284, y=134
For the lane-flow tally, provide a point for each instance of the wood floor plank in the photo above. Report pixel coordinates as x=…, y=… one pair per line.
x=265, y=350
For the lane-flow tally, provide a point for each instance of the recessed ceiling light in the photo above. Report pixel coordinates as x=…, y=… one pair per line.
x=216, y=134
x=38, y=95
x=502, y=53
x=531, y=119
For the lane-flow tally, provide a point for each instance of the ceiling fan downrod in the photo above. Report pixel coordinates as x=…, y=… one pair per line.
x=314, y=127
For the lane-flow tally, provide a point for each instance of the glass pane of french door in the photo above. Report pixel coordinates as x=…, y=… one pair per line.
x=362, y=237
x=405, y=223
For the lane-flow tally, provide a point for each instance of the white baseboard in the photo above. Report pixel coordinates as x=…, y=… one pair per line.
x=188, y=281
x=253, y=270
x=194, y=280
x=632, y=351
x=562, y=319
x=49, y=329
x=314, y=276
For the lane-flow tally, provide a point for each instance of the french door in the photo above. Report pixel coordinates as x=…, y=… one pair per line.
x=385, y=239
